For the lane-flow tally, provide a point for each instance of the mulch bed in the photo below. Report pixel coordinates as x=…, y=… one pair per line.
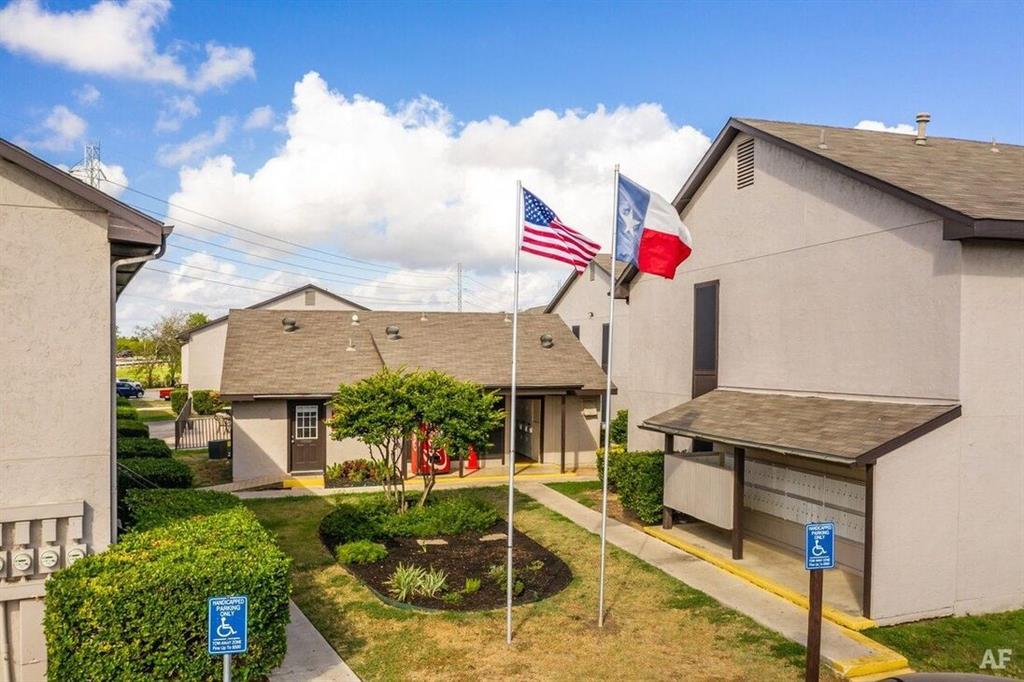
x=465, y=556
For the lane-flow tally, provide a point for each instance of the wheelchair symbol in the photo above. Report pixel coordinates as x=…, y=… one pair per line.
x=817, y=550
x=225, y=630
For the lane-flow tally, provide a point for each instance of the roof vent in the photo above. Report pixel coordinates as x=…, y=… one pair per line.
x=392, y=332
x=994, y=149
x=821, y=143
x=745, y=164
x=506, y=317
x=922, y=124
x=355, y=320
x=289, y=324
x=351, y=346
x=546, y=341
x=423, y=317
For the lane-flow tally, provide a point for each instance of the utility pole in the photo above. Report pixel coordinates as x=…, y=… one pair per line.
x=459, y=270
x=90, y=169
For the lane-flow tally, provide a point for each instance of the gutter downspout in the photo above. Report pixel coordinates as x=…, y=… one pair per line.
x=113, y=370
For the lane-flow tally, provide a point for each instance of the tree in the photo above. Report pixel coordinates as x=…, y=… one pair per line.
x=387, y=409
x=160, y=342
x=193, y=320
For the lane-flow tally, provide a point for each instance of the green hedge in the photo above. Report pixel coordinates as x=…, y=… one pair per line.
x=123, y=402
x=151, y=508
x=131, y=428
x=149, y=472
x=127, y=412
x=178, y=398
x=137, y=611
x=206, y=402
x=353, y=521
x=639, y=479
x=142, y=447
x=620, y=428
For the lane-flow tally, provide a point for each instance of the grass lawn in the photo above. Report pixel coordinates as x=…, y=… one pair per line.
x=588, y=493
x=153, y=410
x=958, y=644
x=141, y=372
x=657, y=628
x=206, y=471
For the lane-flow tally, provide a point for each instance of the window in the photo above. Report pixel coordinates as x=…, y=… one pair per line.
x=576, y=330
x=745, y=164
x=307, y=421
x=604, y=346
x=310, y=297
x=705, y=338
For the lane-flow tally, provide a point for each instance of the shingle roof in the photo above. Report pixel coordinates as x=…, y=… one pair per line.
x=260, y=358
x=853, y=431
x=964, y=175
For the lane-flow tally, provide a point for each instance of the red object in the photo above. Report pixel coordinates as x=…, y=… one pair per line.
x=474, y=462
x=545, y=235
x=426, y=456
x=165, y=393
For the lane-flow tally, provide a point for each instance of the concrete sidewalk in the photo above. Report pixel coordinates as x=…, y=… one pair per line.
x=310, y=658
x=849, y=653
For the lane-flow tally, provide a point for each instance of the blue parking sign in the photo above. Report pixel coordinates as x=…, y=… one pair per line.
x=820, y=546
x=228, y=625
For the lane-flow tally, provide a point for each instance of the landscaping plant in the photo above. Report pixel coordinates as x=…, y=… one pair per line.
x=472, y=586
x=178, y=398
x=131, y=428
x=620, y=428
x=207, y=402
x=405, y=581
x=151, y=508
x=127, y=412
x=361, y=552
x=353, y=521
x=142, y=447
x=434, y=581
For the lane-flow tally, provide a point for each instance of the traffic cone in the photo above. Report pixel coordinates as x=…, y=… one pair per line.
x=474, y=462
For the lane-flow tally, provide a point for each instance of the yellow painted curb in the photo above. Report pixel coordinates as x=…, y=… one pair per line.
x=833, y=614
x=303, y=482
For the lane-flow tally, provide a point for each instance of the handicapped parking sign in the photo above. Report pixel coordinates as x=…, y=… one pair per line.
x=228, y=625
x=820, y=546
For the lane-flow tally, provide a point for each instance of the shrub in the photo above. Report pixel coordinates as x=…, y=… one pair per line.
x=472, y=585
x=354, y=471
x=404, y=582
x=142, y=447
x=360, y=552
x=620, y=428
x=138, y=610
x=639, y=480
x=352, y=521
x=150, y=472
x=127, y=412
x=433, y=583
x=130, y=428
x=447, y=516
x=452, y=598
x=153, y=508
x=123, y=402
x=207, y=402
x=178, y=398
x=599, y=463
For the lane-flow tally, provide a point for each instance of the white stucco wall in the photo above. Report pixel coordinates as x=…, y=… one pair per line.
x=826, y=285
x=259, y=444
x=55, y=300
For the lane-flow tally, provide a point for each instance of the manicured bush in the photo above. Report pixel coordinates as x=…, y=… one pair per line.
x=620, y=428
x=151, y=508
x=130, y=428
x=142, y=447
x=352, y=521
x=446, y=516
x=152, y=472
x=640, y=481
x=353, y=472
x=206, y=402
x=127, y=412
x=361, y=552
x=599, y=463
x=178, y=398
x=123, y=402
x=137, y=611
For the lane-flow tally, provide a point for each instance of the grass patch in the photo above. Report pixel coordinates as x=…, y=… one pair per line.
x=958, y=644
x=581, y=491
x=655, y=623
x=153, y=410
x=205, y=471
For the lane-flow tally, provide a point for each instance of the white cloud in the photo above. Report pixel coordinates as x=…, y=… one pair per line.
x=174, y=112
x=114, y=180
x=87, y=95
x=408, y=186
x=115, y=39
x=879, y=126
x=61, y=129
x=198, y=146
x=260, y=117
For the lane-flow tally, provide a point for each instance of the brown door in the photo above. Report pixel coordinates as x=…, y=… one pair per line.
x=705, y=338
x=307, y=449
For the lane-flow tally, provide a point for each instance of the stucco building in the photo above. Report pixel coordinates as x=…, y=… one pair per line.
x=846, y=343
x=66, y=251
x=279, y=374
x=202, y=347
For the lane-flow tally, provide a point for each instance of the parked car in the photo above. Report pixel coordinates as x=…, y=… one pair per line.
x=127, y=389
x=165, y=393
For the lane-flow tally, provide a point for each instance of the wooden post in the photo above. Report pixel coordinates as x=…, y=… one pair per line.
x=813, y=665
x=869, y=523
x=738, y=460
x=562, y=460
x=670, y=444
x=666, y=518
x=461, y=460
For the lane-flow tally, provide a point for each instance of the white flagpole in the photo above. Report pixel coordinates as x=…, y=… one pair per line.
x=608, y=402
x=511, y=459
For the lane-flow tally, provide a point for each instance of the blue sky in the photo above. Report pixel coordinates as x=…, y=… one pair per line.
x=831, y=63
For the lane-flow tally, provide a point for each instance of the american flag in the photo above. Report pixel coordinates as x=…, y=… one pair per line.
x=545, y=235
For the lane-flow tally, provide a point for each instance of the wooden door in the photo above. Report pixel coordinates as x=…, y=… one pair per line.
x=307, y=450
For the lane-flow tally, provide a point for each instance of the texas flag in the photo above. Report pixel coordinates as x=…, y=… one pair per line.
x=650, y=234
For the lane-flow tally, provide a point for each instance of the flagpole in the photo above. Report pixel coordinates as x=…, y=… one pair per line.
x=512, y=416
x=608, y=401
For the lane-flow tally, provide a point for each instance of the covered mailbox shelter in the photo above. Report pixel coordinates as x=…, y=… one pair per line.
x=767, y=463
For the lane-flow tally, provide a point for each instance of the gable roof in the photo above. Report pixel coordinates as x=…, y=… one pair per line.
x=261, y=359
x=840, y=430
x=979, y=191
x=601, y=260
x=186, y=335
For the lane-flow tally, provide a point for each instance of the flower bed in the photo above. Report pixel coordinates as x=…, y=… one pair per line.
x=355, y=473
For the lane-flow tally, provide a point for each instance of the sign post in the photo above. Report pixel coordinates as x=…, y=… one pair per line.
x=227, y=628
x=819, y=555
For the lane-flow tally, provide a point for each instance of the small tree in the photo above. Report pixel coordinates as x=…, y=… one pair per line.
x=387, y=409
x=620, y=428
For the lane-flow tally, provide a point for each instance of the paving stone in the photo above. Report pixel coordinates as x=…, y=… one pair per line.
x=493, y=537
x=432, y=541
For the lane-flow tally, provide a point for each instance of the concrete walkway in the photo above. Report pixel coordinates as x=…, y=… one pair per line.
x=310, y=658
x=849, y=653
